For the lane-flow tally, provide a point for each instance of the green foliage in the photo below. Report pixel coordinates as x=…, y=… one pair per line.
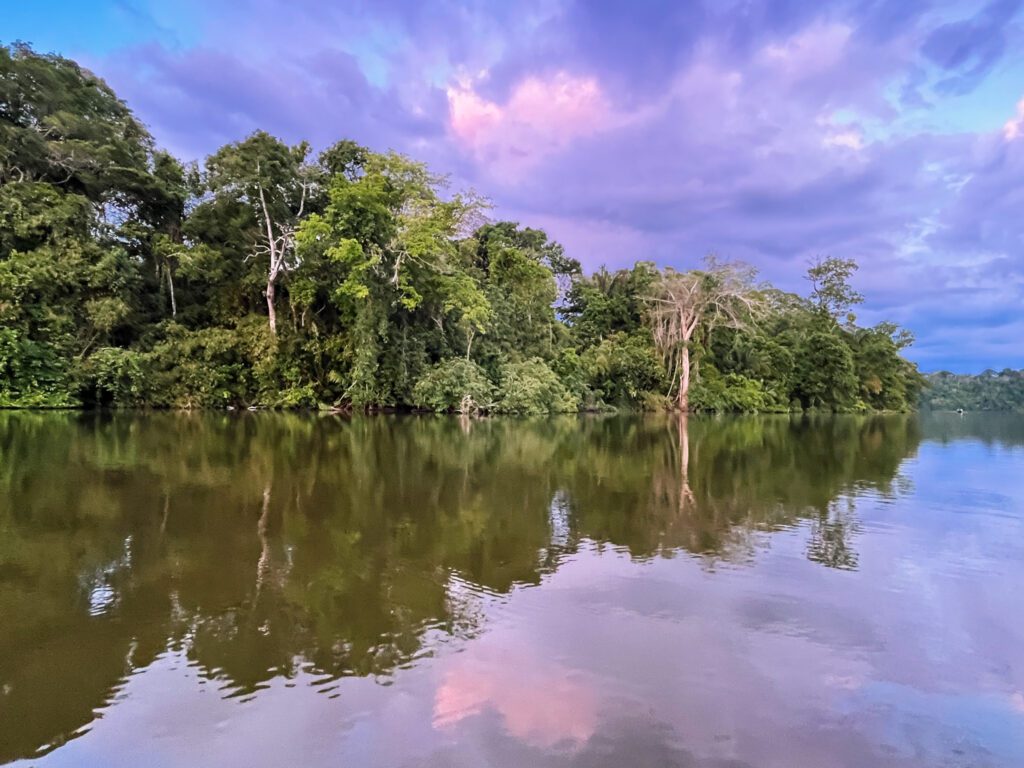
x=514, y=269
x=264, y=276
x=623, y=369
x=206, y=368
x=61, y=124
x=531, y=388
x=887, y=381
x=32, y=375
x=454, y=386
x=607, y=303
x=759, y=356
x=988, y=391
x=114, y=376
x=729, y=393
x=831, y=291
x=825, y=377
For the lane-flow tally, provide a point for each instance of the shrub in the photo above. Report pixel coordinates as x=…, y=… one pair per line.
x=656, y=401
x=299, y=396
x=206, y=368
x=732, y=392
x=115, y=376
x=457, y=385
x=623, y=370
x=32, y=375
x=532, y=388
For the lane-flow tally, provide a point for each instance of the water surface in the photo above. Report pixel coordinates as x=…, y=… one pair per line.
x=278, y=590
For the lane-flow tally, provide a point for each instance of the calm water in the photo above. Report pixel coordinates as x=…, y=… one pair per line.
x=274, y=590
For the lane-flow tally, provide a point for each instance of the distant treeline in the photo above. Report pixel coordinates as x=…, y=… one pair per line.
x=267, y=276
x=987, y=391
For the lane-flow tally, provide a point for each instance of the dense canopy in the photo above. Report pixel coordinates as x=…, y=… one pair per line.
x=987, y=391
x=274, y=276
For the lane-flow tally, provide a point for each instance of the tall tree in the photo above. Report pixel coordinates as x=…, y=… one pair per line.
x=277, y=182
x=607, y=303
x=61, y=124
x=393, y=242
x=683, y=303
x=75, y=167
x=831, y=291
x=825, y=373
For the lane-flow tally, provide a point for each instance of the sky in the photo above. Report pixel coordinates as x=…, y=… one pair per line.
x=767, y=132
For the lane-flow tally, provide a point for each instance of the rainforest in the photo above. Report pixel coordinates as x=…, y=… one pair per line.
x=272, y=275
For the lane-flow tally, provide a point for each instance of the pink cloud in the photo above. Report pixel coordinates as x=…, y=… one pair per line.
x=1017, y=701
x=1015, y=125
x=539, y=701
x=542, y=115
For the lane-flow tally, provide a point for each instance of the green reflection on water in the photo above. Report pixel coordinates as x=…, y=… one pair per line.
x=264, y=545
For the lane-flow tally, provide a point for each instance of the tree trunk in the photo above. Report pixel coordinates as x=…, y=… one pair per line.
x=271, y=311
x=170, y=287
x=684, y=382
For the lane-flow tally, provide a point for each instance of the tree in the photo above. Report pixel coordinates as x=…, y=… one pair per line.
x=75, y=172
x=887, y=381
x=276, y=182
x=825, y=373
x=392, y=243
x=457, y=385
x=516, y=269
x=607, y=303
x=531, y=388
x=831, y=291
x=61, y=124
x=161, y=213
x=623, y=369
x=682, y=304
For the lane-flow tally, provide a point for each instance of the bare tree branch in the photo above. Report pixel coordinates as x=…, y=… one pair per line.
x=721, y=295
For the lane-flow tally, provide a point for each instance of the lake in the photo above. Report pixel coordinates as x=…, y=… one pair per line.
x=283, y=590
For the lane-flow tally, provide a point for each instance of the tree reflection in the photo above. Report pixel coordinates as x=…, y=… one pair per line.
x=708, y=486
x=273, y=545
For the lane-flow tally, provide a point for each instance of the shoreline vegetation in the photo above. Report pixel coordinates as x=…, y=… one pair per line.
x=987, y=391
x=270, y=276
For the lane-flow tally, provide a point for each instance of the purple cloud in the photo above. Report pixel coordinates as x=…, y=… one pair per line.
x=967, y=49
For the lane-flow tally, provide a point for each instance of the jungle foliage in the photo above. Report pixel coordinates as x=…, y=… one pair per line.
x=272, y=276
x=987, y=391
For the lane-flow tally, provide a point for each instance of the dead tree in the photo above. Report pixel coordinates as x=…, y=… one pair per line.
x=682, y=304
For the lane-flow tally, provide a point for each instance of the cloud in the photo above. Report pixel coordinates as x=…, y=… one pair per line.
x=1014, y=127
x=968, y=49
x=817, y=47
x=542, y=116
x=320, y=95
